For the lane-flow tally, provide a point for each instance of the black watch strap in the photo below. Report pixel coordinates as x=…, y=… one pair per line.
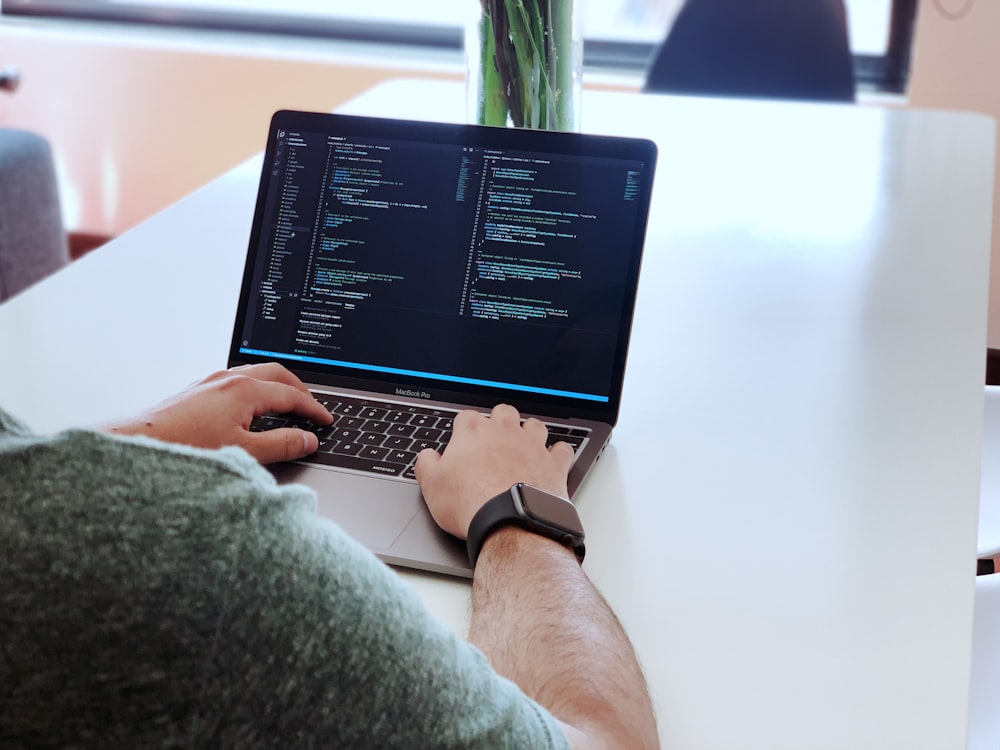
x=497, y=512
x=501, y=511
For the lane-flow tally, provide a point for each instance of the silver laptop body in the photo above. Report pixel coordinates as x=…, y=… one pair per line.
x=420, y=268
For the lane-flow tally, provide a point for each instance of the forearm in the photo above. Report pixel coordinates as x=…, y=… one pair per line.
x=543, y=625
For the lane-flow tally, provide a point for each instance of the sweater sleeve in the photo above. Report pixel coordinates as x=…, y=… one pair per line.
x=162, y=595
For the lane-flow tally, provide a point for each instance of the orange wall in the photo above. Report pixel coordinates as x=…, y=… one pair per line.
x=138, y=119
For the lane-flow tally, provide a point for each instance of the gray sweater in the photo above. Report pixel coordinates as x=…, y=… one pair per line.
x=162, y=596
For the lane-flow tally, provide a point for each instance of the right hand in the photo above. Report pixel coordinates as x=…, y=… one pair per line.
x=486, y=456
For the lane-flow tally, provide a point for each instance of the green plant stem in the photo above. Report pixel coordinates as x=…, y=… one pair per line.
x=525, y=73
x=527, y=60
x=492, y=102
x=561, y=62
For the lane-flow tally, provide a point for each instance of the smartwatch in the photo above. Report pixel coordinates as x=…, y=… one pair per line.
x=528, y=508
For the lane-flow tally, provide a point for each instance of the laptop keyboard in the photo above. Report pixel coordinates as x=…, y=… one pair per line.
x=385, y=437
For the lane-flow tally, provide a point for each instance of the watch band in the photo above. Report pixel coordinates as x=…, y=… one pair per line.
x=502, y=511
x=497, y=512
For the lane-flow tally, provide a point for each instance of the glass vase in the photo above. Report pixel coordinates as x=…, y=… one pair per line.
x=525, y=64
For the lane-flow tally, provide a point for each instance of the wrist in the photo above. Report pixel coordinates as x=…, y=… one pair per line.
x=512, y=544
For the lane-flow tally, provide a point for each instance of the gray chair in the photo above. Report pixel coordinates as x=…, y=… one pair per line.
x=774, y=49
x=33, y=242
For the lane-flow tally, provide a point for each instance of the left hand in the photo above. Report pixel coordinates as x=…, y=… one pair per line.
x=217, y=412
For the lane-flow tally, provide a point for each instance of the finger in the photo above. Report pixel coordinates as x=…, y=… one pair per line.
x=535, y=428
x=281, y=444
x=427, y=459
x=505, y=414
x=466, y=420
x=267, y=396
x=272, y=372
x=564, y=454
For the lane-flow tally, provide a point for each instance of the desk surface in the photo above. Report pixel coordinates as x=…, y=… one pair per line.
x=786, y=517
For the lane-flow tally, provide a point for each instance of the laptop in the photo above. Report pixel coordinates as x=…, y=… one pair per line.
x=408, y=270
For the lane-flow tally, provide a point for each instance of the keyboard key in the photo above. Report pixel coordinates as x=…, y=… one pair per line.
x=327, y=446
x=402, y=457
x=420, y=445
x=375, y=425
x=270, y=423
x=401, y=430
x=348, y=436
x=350, y=423
x=376, y=454
x=358, y=463
x=561, y=429
x=348, y=449
x=397, y=443
x=373, y=413
x=424, y=410
x=371, y=438
x=426, y=433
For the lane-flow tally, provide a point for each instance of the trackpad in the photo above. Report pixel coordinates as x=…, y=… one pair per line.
x=373, y=511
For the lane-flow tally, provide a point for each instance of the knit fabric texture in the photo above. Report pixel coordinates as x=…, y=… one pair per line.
x=155, y=595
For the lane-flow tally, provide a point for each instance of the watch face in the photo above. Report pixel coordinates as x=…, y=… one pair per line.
x=550, y=509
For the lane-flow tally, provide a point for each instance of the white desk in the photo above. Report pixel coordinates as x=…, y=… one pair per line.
x=786, y=518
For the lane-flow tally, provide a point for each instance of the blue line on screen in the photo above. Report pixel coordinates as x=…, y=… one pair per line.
x=429, y=375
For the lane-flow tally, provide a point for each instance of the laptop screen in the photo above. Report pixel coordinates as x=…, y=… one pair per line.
x=429, y=259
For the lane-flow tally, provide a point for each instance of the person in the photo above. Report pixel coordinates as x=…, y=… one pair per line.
x=158, y=588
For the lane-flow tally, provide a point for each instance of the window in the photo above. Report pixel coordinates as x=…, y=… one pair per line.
x=619, y=33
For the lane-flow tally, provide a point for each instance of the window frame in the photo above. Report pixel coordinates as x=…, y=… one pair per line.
x=887, y=73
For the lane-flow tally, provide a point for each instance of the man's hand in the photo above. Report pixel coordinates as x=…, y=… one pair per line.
x=485, y=457
x=535, y=615
x=217, y=411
